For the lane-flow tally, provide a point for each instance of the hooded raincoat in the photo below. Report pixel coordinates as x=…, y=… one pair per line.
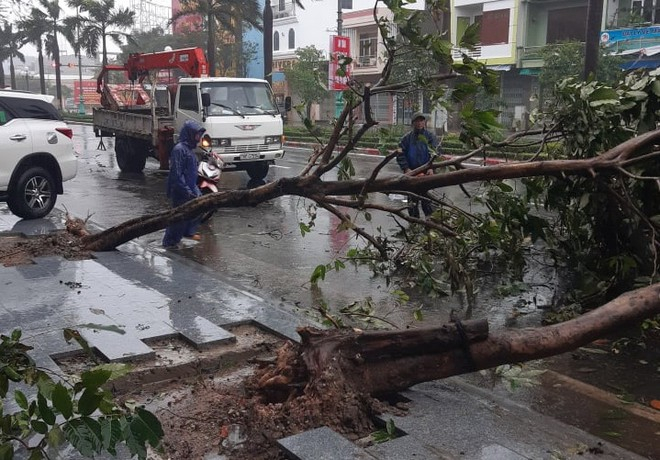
x=182, y=180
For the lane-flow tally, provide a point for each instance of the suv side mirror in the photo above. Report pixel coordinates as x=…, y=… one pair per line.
x=206, y=99
x=287, y=103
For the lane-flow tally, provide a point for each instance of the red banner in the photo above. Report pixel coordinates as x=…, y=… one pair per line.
x=90, y=96
x=340, y=48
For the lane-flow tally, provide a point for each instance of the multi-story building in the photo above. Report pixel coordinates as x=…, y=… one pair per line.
x=514, y=31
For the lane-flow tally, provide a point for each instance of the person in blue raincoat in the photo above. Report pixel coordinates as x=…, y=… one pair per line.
x=182, y=181
x=415, y=149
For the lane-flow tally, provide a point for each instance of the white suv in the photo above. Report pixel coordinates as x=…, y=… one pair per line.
x=36, y=153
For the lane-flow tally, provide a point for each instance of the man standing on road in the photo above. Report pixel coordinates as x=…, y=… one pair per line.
x=182, y=182
x=415, y=150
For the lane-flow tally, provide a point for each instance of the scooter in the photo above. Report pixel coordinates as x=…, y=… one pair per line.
x=208, y=172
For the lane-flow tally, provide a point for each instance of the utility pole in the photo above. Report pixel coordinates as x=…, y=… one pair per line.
x=340, y=21
x=81, y=98
x=592, y=38
x=268, y=43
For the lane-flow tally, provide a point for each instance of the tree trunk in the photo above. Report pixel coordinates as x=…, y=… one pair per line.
x=385, y=362
x=58, y=71
x=12, y=73
x=42, y=72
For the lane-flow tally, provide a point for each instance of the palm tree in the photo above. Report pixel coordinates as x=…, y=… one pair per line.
x=52, y=12
x=101, y=20
x=229, y=14
x=35, y=28
x=10, y=49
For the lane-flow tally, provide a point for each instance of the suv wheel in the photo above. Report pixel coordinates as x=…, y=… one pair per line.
x=34, y=195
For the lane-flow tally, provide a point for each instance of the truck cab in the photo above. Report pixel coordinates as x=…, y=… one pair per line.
x=239, y=114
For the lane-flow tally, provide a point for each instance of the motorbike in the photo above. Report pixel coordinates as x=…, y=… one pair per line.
x=208, y=172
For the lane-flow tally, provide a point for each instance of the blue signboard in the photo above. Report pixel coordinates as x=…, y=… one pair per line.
x=639, y=38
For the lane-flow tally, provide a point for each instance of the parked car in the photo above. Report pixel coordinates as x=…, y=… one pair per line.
x=36, y=153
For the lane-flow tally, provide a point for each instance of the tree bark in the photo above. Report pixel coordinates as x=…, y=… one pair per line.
x=385, y=362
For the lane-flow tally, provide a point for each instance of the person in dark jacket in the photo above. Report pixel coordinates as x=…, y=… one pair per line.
x=415, y=150
x=182, y=181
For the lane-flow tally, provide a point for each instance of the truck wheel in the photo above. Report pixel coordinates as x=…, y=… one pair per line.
x=131, y=154
x=257, y=170
x=34, y=194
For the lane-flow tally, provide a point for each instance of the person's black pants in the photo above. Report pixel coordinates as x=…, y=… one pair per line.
x=413, y=207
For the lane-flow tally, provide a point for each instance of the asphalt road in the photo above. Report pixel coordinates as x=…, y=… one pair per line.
x=260, y=248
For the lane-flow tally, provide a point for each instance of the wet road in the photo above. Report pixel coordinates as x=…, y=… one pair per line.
x=260, y=247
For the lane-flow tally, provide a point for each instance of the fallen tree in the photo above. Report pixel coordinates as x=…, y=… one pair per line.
x=384, y=362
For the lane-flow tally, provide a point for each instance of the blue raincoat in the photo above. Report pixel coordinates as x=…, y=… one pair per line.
x=182, y=180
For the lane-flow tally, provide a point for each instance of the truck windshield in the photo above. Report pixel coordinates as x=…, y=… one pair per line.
x=240, y=98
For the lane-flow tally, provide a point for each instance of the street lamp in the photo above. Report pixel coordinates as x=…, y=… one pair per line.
x=27, y=78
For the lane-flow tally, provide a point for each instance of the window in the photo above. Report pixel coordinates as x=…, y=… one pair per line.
x=29, y=108
x=276, y=41
x=494, y=28
x=282, y=5
x=367, y=47
x=292, y=39
x=188, y=98
x=566, y=24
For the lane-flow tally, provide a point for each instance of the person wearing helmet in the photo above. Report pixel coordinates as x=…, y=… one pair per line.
x=415, y=150
x=182, y=182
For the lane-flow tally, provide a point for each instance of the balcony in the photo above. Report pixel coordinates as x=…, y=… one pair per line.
x=366, y=61
x=457, y=53
x=283, y=9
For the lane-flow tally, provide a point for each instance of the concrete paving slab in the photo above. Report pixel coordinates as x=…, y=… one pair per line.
x=202, y=332
x=470, y=422
x=321, y=444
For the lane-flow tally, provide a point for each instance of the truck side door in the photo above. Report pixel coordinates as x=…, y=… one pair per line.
x=188, y=105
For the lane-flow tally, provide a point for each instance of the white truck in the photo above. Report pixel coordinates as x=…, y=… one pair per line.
x=240, y=114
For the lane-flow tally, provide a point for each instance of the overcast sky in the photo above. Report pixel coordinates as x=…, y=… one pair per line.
x=30, y=50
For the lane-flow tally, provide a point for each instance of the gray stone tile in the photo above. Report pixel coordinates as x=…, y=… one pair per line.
x=321, y=444
x=117, y=347
x=407, y=447
x=200, y=331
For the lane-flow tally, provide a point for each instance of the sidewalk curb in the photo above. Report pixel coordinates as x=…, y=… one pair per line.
x=373, y=151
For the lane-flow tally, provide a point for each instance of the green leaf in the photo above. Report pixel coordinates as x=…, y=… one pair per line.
x=6, y=451
x=147, y=427
x=21, y=400
x=89, y=402
x=602, y=94
x=36, y=454
x=135, y=445
x=304, y=228
x=94, y=378
x=417, y=314
x=39, y=426
x=62, y=401
x=111, y=433
x=85, y=435
x=55, y=436
x=46, y=413
x=318, y=274
x=4, y=385
x=117, y=370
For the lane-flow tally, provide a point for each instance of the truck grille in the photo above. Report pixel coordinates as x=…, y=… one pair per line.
x=250, y=148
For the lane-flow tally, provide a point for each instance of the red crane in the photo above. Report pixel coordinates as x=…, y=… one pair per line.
x=191, y=60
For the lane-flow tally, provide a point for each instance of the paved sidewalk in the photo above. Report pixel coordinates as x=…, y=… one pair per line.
x=149, y=293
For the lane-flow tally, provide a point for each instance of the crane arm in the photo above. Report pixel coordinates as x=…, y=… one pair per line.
x=190, y=60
